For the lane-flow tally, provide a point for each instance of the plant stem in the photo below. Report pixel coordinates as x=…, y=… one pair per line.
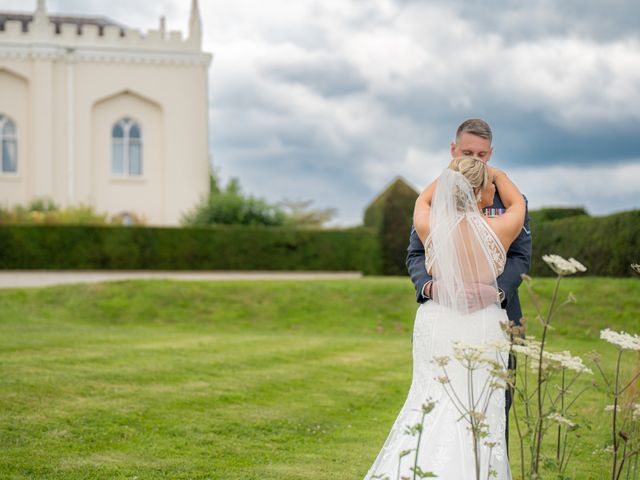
x=561, y=413
x=538, y=440
x=515, y=416
x=415, y=463
x=615, y=417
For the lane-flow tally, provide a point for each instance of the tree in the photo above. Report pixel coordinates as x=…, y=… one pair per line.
x=300, y=213
x=228, y=206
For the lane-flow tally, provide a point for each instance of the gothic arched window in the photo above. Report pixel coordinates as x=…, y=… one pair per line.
x=126, y=148
x=8, y=145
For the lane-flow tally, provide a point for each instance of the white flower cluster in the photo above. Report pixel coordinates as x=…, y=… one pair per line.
x=478, y=352
x=562, y=266
x=635, y=410
x=469, y=353
x=624, y=341
x=556, y=417
x=566, y=360
x=551, y=360
x=528, y=346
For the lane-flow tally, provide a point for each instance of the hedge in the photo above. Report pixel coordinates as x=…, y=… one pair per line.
x=391, y=214
x=203, y=248
x=606, y=245
x=554, y=213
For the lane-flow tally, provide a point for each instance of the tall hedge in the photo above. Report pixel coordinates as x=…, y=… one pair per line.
x=205, y=248
x=606, y=245
x=391, y=214
x=555, y=213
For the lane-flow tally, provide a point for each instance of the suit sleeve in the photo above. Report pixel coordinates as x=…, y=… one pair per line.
x=518, y=261
x=415, y=265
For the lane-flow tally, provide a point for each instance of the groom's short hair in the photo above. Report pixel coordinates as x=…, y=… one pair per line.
x=475, y=126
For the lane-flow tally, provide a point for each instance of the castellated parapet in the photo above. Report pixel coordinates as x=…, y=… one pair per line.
x=91, y=38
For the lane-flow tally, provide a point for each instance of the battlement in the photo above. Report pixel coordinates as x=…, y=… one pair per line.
x=91, y=32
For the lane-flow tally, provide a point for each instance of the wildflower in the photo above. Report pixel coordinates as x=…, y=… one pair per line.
x=468, y=353
x=496, y=385
x=635, y=414
x=550, y=360
x=479, y=417
x=528, y=348
x=428, y=406
x=566, y=360
x=624, y=341
x=499, y=345
x=441, y=360
x=562, y=266
x=578, y=266
x=556, y=417
x=443, y=379
x=609, y=408
x=594, y=356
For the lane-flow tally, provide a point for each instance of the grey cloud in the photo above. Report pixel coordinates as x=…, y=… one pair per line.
x=331, y=77
x=279, y=149
x=515, y=20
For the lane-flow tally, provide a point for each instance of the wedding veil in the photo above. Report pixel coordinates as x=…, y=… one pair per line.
x=463, y=269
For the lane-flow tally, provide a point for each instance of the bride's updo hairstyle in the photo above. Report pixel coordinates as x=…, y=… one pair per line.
x=474, y=170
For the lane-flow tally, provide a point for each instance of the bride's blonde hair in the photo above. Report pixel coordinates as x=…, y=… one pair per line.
x=474, y=170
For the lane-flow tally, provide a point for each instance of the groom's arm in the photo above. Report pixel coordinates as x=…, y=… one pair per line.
x=415, y=265
x=518, y=261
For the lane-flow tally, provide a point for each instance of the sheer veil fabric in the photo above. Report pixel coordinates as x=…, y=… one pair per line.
x=464, y=257
x=460, y=259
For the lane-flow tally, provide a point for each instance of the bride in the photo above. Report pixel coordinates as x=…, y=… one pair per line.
x=456, y=357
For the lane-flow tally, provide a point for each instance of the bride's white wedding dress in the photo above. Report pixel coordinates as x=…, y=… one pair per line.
x=462, y=248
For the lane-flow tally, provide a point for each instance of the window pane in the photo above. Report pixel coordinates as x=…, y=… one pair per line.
x=9, y=129
x=117, y=131
x=134, y=132
x=117, y=158
x=135, y=159
x=9, y=156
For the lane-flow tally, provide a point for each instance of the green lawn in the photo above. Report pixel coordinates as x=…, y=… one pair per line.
x=235, y=380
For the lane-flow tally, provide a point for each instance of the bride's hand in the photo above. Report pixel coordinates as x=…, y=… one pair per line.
x=480, y=296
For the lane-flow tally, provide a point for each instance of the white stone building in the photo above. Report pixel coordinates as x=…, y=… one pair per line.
x=95, y=113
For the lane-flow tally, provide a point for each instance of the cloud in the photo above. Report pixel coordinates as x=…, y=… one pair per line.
x=331, y=99
x=600, y=189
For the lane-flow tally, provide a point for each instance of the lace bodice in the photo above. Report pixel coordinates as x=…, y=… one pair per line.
x=493, y=244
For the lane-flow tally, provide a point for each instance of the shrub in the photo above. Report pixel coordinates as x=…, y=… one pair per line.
x=606, y=245
x=210, y=248
x=45, y=211
x=391, y=214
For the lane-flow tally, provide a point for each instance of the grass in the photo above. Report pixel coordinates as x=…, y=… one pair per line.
x=235, y=380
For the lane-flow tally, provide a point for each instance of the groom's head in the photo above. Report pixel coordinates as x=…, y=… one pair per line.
x=473, y=139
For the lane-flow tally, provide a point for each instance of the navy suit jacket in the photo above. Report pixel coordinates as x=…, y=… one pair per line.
x=518, y=262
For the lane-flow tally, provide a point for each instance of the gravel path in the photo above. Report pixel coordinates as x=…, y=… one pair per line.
x=43, y=278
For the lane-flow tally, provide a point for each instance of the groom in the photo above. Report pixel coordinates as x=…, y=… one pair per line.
x=473, y=138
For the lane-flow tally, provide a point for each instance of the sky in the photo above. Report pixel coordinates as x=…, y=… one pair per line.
x=330, y=100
